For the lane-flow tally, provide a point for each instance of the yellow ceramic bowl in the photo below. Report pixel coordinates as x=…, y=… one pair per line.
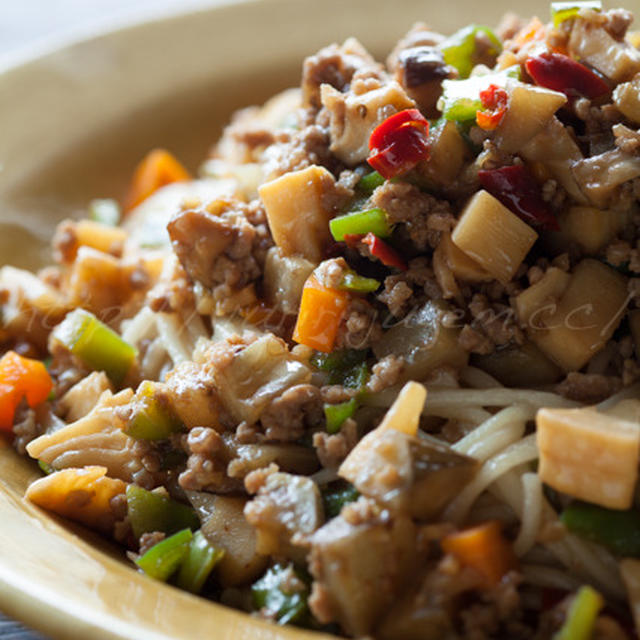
x=73, y=123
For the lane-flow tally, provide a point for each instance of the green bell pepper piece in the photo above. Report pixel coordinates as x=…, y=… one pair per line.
x=360, y=222
x=618, y=531
x=341, y=360
x=370, y=182
x=351, y=281
x=460, y=99
x=581, y=616
x=336, y=414
x=270, y=593
x=561, y=11
x=105, y=211
x=98, y=346
x=151, y=419
x=149, y=512
x=337, y=496
x=164, y=558
x=459, y=50
x=198, y=564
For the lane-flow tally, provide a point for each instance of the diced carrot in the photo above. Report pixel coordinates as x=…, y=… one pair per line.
x=156, y=170
x=484, y=548
x=321, y=311
x=19, y=378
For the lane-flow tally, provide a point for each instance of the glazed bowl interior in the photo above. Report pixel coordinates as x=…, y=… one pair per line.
x=74, y=122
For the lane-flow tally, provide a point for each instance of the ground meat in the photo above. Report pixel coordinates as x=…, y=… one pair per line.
x=385, y=373
x=626, y=139
x=148, y=540
x=217, y=245
x=497, y=321
x=333, y=449
x=419, y=214
x=588, y=388
x=409, y=289
x=26, y=428
x=304, y=148
x=359, y=328
x=420, y=35
x=288, y=417
x=619, y=253
x=336, y=393
x=617, y=22
x=475, y=341
x=330, y=273
x=173, y=294
x=334, y=65
x=206, y=465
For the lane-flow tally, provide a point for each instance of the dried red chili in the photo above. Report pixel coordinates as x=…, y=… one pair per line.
x=494, y=101
x=399, y=143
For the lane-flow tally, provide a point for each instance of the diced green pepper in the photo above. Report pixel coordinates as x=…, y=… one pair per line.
x=618, y=531
x=149, y=512
x=561, y=11
x=98, y=346
x=353, y=282
x=460, y=49
x=336, y=414
x=370, y=182
x=152, y=419
x=338, y=360
x=337, y=496
x=45, y=468
x=354, y=378
x=273, y=595
x=164, y=558
x=581, y=616
x=198, y=563
x=460, y=99
x=360, y=222
x=105, y=211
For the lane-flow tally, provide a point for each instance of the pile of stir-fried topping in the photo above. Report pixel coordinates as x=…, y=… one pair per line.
x=347, y=379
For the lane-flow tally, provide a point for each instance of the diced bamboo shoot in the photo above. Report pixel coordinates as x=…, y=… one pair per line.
x=404, y=414
x=529, y=110
x=284, y=278
x=297, y=214
x=102, y=237
x=591, y=229
x=225, y=527
x=586, y=316
x=539, y=301
x=447, y=154
x=589, y=455
x=354, y=116
x=462, y=266
x=556, y=150
x=522, y=366
x=592, y=44
x=626, y=97
x=424, y=343
x=600, y=176
x=493, y=236
x=82, y=495
x=257, y=374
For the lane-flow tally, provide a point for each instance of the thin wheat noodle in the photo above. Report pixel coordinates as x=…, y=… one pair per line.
x=550, y=577
x=515, y=454
x=140, y=327
x=531, y=514
x=475, y=442
x=169, y=328
x=478, y=379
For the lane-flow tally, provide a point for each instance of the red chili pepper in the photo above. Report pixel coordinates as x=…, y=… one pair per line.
x=494, y=100
x=517, y=189
x=378, y=248
x=399, y=143
x=561, y=73
x=381, y=250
